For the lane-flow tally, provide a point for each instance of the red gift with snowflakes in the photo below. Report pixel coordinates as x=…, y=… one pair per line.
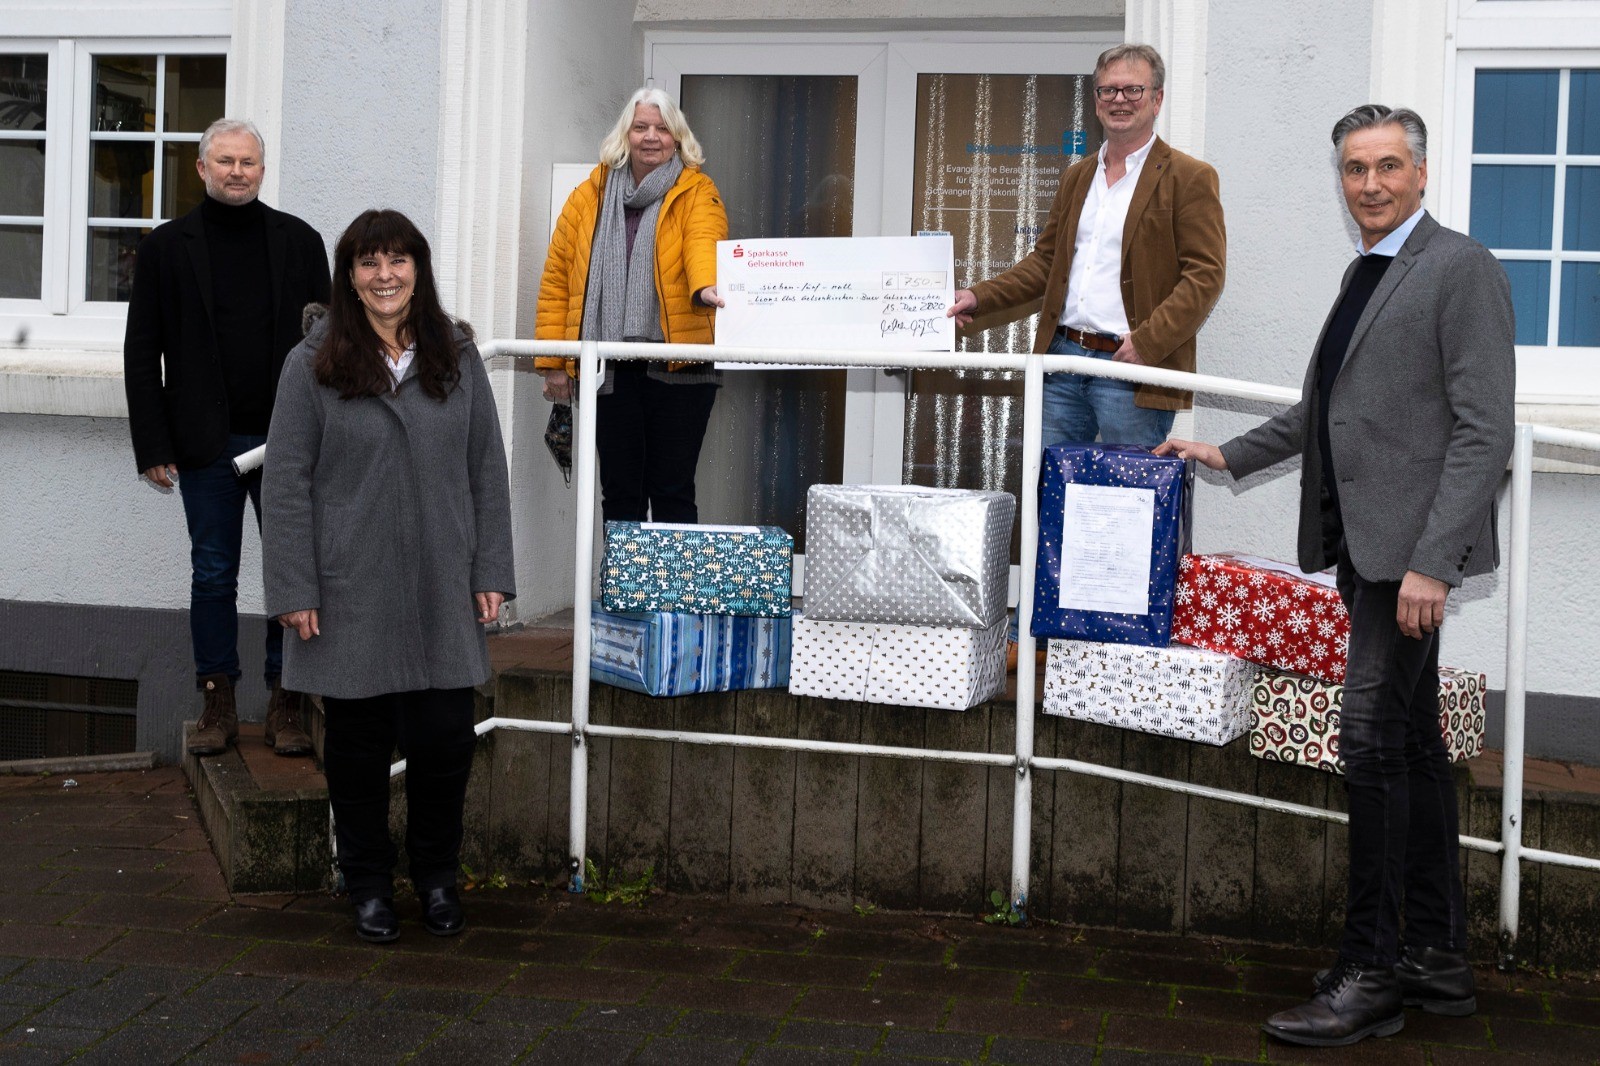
x=1267, y=612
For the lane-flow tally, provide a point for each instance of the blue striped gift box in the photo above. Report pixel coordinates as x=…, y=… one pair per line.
x=663, y=653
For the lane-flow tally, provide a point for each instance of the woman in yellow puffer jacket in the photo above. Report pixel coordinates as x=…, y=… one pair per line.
x=634, y=257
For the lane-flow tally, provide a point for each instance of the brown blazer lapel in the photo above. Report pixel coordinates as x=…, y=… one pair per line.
x=1155, y=168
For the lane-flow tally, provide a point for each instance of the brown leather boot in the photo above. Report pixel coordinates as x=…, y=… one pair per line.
x=219, y=722
x=285, y=734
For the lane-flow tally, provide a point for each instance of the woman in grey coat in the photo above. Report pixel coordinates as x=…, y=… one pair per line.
x=386, y=549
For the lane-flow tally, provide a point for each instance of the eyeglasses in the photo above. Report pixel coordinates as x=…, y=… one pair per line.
x=1129, y=93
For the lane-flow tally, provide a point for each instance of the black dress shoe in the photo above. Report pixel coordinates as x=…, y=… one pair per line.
x=1438, y=981
x=1350, y=1005
x=376, y=921
x=441, y=911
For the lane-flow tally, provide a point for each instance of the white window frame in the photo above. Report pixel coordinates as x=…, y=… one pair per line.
x=1510, y=35
x=63, y=316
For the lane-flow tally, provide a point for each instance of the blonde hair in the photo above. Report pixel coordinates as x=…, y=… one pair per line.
x=614, y=149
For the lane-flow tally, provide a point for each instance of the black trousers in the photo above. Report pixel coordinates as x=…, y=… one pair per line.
x=1404, y=823
x=432, y=729
x=648, y=434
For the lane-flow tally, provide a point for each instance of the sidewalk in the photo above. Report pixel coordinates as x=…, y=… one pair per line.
x=119, y=944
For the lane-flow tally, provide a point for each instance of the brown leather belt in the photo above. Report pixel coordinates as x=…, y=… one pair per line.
x=1095, y=342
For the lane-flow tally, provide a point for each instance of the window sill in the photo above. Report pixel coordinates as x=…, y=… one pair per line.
x=62, y=382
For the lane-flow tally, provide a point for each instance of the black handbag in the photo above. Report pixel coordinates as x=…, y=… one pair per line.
x=558, y=438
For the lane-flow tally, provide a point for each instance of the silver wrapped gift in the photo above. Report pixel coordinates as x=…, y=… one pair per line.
x=907, y=555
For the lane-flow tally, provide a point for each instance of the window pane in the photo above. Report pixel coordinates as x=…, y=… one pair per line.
x=120, y=186
x=782, y=150
x=1513, y=207
x=124, y=93
x=22, y=91
x=1530, y=300
x=21, y=260
x=1580, y=304
x=21, y=177
x=194, y=92
x=1515, y=111
x=111, y=253
x=182, y=190
x=1581, y=228
x=1583, y=113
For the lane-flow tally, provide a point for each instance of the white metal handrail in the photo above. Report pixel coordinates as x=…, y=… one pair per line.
x=1024, y=761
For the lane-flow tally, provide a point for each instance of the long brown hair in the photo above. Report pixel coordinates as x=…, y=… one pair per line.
x=351, y=358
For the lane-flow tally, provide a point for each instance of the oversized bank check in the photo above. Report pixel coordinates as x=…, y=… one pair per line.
x=837, y=293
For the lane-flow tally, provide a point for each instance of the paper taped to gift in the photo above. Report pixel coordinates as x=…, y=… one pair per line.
x=1113, y=521
x=949, y=667
x=1296, y=719
x=662, y=653
x=1189, y=693
x=1263, y=611
x=693, y=569
x=906, y=554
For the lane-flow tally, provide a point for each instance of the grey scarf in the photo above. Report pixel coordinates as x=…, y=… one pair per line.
x=620, y=302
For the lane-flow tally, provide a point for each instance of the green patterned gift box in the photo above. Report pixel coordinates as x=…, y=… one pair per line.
x=690, y=569
x=1296, y=719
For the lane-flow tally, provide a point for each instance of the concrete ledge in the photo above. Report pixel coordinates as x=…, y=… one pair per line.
x=266, y=839
x=58, y=382
x=82, y=764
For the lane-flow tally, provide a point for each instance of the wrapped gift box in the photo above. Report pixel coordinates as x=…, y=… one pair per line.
x=653, y=566
x=1267, y=612
x=1113, y=521
x=907, y=555
x=662, y=653
x=1296, y=719
x=916, y=666
x=1189, y=693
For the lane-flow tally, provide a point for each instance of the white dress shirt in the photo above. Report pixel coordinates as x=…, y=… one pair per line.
x=398, y=367
x=1094, y=281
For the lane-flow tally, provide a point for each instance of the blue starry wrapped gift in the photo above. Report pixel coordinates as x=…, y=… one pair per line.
x=659, y=566
x=664, y=653
x=1113, y=522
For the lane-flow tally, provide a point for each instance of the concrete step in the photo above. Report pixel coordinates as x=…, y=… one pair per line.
x=266, y=815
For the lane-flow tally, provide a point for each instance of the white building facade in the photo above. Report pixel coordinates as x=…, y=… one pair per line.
x=475, y=116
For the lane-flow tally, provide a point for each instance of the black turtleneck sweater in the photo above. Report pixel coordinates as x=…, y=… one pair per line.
x=241, y=292
x=1335, y=344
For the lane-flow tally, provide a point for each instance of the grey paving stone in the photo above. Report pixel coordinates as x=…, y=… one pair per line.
x=141, y=1044
x=18, y=1055
x=10, y=964
x=442, y=1001
x=799, y=1056
x=474, y=1041
x=153, y=979
x=1119, y=1057
x=1018, y=1052
x=60, y=1037
x=528, y=1013
x=29, y=995
x=11, y=1013
x=923, y=1044
x=100, y=1007
x=382, y=1032
x=62, y=973
x=193, y=1012
x=721, y=1025
x=245, y=987
x=676, y=1050
x=345, y=995
x=628, y=1018
x=830, y=1034
x=293, y=1017
x=255, y=1046
x=567, y=1046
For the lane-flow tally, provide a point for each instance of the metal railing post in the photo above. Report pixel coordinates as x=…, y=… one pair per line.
x=1516, y=693
x=583, y=459
x=1022, y=800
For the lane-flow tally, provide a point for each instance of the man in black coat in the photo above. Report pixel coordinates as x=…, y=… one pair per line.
x=215, y=307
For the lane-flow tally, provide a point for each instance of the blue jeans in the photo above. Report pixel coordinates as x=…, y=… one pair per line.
x=1405, y=870
x=1079, y=408
x=213, y=505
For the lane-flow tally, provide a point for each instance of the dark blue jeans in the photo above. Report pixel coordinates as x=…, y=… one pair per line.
x=1404, y=824
x=213, y=505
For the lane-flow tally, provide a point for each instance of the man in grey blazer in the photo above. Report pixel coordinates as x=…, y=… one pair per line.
x=1403, y=431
